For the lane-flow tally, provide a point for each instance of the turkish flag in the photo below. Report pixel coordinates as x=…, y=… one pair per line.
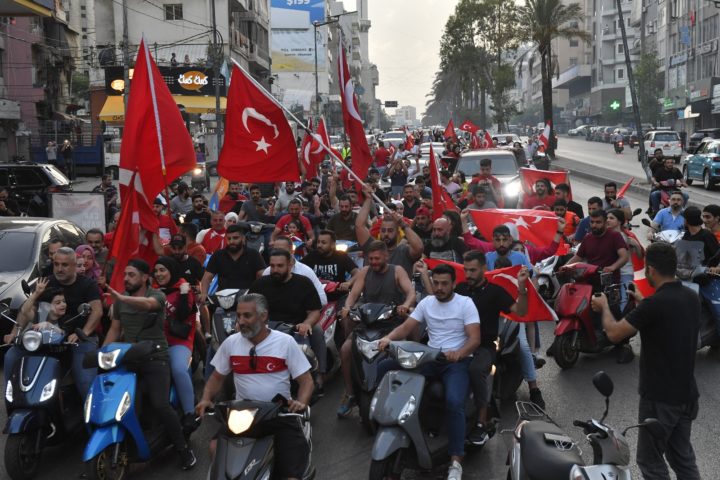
x=487, y=141
x=458, y=267
x=537, y=227
x=475, y=143
x=311, y=151
x=538, y=310
x=441, y=198
x=528, y=177
x=259, y=143
x=361, y=158
x=469, y=126
x=322, y=132
x=409, y=139
x=449, y=131
x=544, y=137
x=624, y=188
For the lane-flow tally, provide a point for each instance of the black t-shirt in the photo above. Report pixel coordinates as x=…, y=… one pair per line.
x=335, y=268
x=344, y=228
x=661, y=174
x=669, y=341
x=289, y=301
x=423, y=234
x=489, y=300
x=410, y=210
x=202, y=219
x=575, y=208
x=240, y=273
x=452, y=251
x=83, y=290
x=192, y=270
x=710, y=244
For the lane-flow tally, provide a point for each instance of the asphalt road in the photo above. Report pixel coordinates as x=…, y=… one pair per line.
x=342, y=449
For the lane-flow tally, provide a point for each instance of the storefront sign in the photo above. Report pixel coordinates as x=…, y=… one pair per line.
x=192, y=80
x=696, y=94
x=706, y=48
x=180, y=80
x=86, y=210
x=716, y=91
x=678, y=59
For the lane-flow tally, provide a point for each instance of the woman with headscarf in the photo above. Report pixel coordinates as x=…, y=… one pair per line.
x=92, y=269
x=180, y=316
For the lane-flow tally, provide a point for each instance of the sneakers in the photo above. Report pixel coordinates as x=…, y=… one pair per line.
x=625, y=354
x=536, y=398
x=538, y=361
x=189, y=423
x=187, y=458
x=455, y=471
x=346, y=406
x=479, y=435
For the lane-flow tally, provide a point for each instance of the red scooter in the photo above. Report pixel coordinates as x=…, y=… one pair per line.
x=575, y=332
x=329, y=324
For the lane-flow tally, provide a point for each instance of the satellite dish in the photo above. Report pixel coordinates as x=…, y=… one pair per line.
x=106, y=57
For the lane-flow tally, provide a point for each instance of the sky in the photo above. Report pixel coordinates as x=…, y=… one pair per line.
x=405, y=45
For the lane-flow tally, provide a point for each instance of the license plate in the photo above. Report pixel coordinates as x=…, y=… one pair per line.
x=666, y=146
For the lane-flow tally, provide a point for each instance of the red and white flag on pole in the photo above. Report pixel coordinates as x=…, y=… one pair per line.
x=475, y=142
x=624, y=189
x=468, y=126
x=259, y=143
x=409, y=139
x=449, y=131
x=538, y=310
x=441, y=198
x=487, y=141
x=354, y=129
x=537, y=227
x=544, y=137
x=528, y=177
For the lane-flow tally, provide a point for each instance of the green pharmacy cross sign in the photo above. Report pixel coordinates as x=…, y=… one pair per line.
x=615, y=105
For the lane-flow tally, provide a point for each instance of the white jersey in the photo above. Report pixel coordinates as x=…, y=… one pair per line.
x=446, y=320
x=276, y=360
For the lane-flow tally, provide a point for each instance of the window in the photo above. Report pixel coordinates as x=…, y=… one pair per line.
x=619, y=48
x=573, y=61
x=574, y=25
x=28, y=177
x=620, y=73
x=173, y=11
x=574, y=42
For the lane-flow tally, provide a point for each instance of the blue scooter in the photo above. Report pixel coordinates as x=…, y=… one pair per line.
x=110, y=413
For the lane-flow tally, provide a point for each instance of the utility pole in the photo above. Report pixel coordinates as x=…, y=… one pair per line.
x=126, y=55
x=216, y=74
x=316, y=24
x=633, y=95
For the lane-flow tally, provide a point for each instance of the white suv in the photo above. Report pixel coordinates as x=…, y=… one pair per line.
x=666, y=140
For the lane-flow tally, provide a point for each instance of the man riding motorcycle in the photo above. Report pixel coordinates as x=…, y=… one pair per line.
x=670, y=218
x=661, y=176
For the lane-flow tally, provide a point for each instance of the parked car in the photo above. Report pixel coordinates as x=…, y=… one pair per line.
x=704, y=165
x=667, y=140
x=504, y=167
x=633, y=141
x=29, y=185
x=581, y=130
x=607, y=134
x=697, y=137
x=27, y=239
x=597, y=134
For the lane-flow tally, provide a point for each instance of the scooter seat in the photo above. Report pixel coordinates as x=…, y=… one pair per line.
x=435, y=391
x=543, y=459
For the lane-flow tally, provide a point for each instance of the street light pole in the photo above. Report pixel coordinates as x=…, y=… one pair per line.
x=216, y=74
x=126, y=55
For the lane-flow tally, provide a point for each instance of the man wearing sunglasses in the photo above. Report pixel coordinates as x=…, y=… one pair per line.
x=262, y=362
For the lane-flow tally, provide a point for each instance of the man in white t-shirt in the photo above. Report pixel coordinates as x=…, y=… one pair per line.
x=262, y=362
x=453, y=326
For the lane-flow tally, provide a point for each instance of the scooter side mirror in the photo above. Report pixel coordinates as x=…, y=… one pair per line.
x=637, y=212
x=25, y=287
x=603, y=383
x=84, y=309
x=646, y=222
x=655, y=428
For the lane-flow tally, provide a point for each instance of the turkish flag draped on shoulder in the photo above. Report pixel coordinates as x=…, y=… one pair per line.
x=538, y=310
x=528, y=177
x=441, y=198
x=458, y=267
x=449, y=131
x=155, y=143
x=469, y=126
x=259, y=143
x=361, y=158
x=537, y=227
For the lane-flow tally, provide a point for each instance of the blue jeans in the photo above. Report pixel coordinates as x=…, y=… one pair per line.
x=526, y=359
x=456, y=378
x=179, y=368
x=655, y=199
x=625, y=279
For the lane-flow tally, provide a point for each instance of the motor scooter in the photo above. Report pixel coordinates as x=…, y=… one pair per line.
x=410, y=413
x=666, y=236
x=541, y=450
x=619, y=146
x=200, y=178
x=329, y=324
x=43, y=404
x=666, y=188
x=548, y=283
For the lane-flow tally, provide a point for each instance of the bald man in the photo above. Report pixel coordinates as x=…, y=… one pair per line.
x=442, y=244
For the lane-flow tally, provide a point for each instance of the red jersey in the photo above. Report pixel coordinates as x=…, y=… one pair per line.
x=381, y=157
x=532, y=201
x=285, y=219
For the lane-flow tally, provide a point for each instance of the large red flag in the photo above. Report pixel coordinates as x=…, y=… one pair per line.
x=259, y=143
x=469, y=126
x=475, y=143
x=441, y=198
x=538, y=310
x=528, y=177
x=307, y=149
x=537, y=227
x=449, y=131
x=323, y=134
x=624, y=189
x=487, y=141
x=544, y=137
x=361, y=158
x=458, y=267
x=155, y=142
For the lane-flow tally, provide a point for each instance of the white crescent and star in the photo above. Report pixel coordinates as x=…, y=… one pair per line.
x=510, y=278
x=350, y=101
x=262, y=145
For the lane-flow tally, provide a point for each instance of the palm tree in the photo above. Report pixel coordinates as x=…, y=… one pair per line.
x=545, y=21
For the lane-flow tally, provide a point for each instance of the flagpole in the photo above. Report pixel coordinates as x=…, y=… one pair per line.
x=307, y=130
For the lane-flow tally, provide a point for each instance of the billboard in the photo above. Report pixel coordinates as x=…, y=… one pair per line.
x=292, y=40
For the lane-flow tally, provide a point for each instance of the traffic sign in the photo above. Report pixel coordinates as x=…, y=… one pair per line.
x=391, y=104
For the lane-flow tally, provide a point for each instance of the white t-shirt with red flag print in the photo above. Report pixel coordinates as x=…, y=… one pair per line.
x=544, y=137
x=277, y=359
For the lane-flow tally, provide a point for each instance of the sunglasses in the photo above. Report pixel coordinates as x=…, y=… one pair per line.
x=253, y=359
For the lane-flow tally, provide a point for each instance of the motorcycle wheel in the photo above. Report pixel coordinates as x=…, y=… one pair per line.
x=364, y=407
x=566, y=356
x=383, y=469
x=21, y=462
x=100, y=467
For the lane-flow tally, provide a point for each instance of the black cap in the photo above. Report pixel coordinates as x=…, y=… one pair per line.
x=177, y=240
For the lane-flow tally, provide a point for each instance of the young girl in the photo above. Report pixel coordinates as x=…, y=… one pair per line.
x=297, y=234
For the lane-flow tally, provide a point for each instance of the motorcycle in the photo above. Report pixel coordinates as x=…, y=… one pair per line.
x=329, y=325
x=575, y=331
x=542, y=451
x=374, y=321
x=619, y=146
x=200, y=178
x=667, y=236
x=548, y=284
x=222, y=326
x=44, y=406
x=410, y=413
x=666, y=188
x=240, y=453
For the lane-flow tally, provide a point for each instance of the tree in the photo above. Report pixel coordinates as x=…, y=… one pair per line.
x=545, y=21
x=649, y=87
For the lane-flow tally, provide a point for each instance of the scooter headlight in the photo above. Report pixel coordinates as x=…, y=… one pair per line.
x=385, y=315
x=408, y=409
x=88, y=407
x=197, y=171
x=369, y=350
x=48, y=390
x=226, y=301
x=9, y=392
x=576, y=473
x=408, y=359
x=108, y=360
x=512, y=189
x=239, y=421
x=341, y=247
x=123, y=407
x=31, y=340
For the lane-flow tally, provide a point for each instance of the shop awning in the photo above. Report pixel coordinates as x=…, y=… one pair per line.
x=114, y=108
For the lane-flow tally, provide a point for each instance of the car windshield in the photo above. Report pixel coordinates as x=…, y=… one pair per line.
x=21, y=245
x=501, y=164
x=394, y=135
x=666, y=137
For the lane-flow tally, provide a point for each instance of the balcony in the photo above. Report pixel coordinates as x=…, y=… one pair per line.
x=365, y=25
x=259, y=56
x=571, y=76
x=252, y=16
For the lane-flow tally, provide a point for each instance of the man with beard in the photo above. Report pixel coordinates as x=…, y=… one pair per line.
x=213, y=239
x=262, y=362
x=379, y=282
x=421, y=223
x=192, y=269
x=669, y=218
x=480, y=201
x=402, y=253
x=139, y=315
x=254, y=209
x=285, y=194
x=410, y=201
x=667, y=172
x=442, y=244
x=297, y=268
x=541, y=199
x=343, y=222
x=96, y=239
x=611, y=201
x=235, y=265
x=295, y=209
x=199, y=214
x=293, y=299
x=668, y=323
x=453, y=326
x=594, y=204
x=502, y=243
x=232, y=198
x=562, y=192
x=331, y=265
x=181, y=203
